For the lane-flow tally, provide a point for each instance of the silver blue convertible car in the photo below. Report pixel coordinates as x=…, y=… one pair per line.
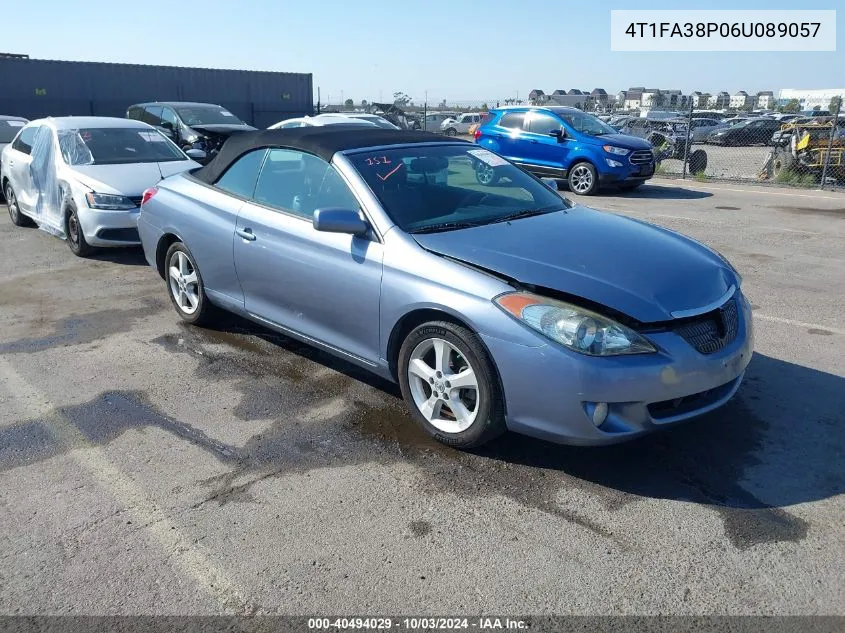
x=494, y=302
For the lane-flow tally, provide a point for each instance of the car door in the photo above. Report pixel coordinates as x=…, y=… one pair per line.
x=507, y=136
x=17, y=168
x=539, y=147
x=169, y=125
x=324, y=286
x=212, y=217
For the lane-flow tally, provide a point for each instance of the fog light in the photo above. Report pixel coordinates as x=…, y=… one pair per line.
x=600, y=413
x=613, y=163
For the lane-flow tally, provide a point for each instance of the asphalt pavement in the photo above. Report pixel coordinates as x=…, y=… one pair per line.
x=147, y=467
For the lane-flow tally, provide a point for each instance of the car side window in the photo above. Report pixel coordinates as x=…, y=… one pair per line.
x=299, y=183
x=512, y=120
x=242, y=175
x=152, y=115
x=169, y=116
x=134, y=113
x=540, y=123
x=23, y=142
x=290, y=124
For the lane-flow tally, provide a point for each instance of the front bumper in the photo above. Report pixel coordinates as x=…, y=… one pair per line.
x=109, y=228
x=627, y=173
x=551, y=392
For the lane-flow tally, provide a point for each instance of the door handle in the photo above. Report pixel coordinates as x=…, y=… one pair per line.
x=246, y=234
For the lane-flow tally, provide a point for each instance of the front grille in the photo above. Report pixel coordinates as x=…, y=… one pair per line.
x=119, y=235
x=136, y=200
x=691, y=403
x=713, y=331
x=641, y=157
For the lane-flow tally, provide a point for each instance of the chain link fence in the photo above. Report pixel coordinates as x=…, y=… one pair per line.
x=786, y=149
x=799, y=149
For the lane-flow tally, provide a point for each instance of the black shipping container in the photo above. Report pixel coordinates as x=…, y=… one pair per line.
x=35, y=88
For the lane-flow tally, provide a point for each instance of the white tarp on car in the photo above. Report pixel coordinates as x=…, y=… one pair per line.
x=43, y=171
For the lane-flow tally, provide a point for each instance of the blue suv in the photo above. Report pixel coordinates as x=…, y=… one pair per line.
x=567, y=144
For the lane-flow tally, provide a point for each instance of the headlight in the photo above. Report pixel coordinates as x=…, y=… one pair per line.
x=574, y=327
x=619, y=151
x=109, y=202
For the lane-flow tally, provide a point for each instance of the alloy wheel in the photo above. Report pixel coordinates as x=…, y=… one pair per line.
x=184, y=283
x=581, y=180
x=73, y=229
x=444, y=386
x=12, y=204
x=485, y=174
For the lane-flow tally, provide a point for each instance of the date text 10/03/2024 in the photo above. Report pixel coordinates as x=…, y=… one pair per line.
x=421, y=623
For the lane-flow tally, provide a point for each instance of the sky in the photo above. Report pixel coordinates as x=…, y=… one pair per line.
x=459, y=50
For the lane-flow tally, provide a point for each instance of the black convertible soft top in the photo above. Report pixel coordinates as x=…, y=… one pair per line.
x=323, y=141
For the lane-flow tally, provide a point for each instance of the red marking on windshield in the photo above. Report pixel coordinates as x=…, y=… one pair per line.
x=391, y=172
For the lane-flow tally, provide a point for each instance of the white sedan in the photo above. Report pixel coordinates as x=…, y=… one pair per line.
x=332, y=118
x=83, y=178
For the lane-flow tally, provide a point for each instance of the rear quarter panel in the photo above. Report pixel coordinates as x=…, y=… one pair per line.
x=203, y=218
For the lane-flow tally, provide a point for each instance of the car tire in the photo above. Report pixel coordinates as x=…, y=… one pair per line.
x=18, y=218
x=582, y=179
x=74, y=234
x=431, y=355
x=185, y=286
x=451, y=132
x=486, y=174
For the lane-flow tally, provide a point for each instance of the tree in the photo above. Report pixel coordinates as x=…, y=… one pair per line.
x=658, y=100
x=484, y=107
x=835, y=104
x=364, y=103
x=401, y=99
x=791, y=107
x=349, y=103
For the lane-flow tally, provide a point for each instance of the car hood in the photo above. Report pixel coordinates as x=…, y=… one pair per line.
x=128, y=180
x=620, y=140
x=224, y=129
x=641, y=270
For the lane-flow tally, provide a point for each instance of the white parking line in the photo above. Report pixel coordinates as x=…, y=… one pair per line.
x=802, y=324
x=177, y=547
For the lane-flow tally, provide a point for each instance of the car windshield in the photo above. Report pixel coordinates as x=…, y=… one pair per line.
x=586, y=123
x=116, y=146
x=426, y=188
x=8, y=130
x=207, y=115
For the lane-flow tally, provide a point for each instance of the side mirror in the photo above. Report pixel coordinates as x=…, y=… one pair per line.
x=197, y=154
x=551, y=183
x=559, y=134
x=339, y=220
x=167, y=125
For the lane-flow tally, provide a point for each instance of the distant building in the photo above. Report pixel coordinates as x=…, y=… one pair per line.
x=810, y=99
x=537, y=97
x=720, y=101
x=739, y=100
x=765, y=100
x=633, y=100
x=700, y=99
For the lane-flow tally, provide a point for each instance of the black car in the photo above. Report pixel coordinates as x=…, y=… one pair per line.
x=204, y=126
x=749, y=132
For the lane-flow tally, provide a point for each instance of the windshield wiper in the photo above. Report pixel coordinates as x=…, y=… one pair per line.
x=525, y=213
x=444, y=226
